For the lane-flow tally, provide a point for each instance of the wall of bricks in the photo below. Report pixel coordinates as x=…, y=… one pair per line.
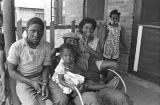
x=126, y=7
x=72, y=10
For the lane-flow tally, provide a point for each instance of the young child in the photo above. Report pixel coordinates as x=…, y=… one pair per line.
x=66, y=73
x=71, y=38
x=111, y=46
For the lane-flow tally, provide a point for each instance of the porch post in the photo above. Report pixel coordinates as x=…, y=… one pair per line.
x=9, y=35
x=9, y=23
x=73, y=26
x=52, y=35
x=19, y=29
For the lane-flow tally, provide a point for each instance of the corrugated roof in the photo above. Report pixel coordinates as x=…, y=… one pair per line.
x=29, y=4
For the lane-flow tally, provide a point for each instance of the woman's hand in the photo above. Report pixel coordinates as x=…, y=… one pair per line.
x=45, y=92
x=86, y=45
x=86, y=42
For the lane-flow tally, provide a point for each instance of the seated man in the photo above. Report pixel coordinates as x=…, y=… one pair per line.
x=29, y=62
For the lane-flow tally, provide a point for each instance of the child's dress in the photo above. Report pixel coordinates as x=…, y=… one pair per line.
x=69, y=77
x=111, y=46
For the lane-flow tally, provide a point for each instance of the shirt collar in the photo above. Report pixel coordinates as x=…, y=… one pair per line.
x=24, y=43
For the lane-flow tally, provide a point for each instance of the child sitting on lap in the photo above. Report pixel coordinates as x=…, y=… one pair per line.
x=66, y=73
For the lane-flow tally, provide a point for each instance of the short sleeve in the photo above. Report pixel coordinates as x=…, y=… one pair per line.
x=14, y=54
x=60, y=69
x=47, y=59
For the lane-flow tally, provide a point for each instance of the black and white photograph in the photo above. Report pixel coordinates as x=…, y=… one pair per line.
x=79, y=52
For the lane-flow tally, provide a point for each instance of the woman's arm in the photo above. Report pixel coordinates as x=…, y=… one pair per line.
x=98, y=53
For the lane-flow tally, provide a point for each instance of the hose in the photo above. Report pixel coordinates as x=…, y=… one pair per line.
x=79, y=95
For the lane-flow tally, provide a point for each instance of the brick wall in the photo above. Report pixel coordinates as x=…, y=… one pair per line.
x=126, y=7
x=72, y=10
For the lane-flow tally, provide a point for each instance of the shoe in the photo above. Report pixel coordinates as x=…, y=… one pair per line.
x=113, y=83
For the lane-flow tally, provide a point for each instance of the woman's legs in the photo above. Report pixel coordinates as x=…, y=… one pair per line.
x=109, y=64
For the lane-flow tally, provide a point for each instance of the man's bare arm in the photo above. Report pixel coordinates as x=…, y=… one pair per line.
x=13, y=73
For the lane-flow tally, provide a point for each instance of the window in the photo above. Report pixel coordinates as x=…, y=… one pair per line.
x=150, y=14
x=40, y=15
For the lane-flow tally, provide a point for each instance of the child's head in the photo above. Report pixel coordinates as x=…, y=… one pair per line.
x=67, y=53
x=71, y=38
x=114, y=16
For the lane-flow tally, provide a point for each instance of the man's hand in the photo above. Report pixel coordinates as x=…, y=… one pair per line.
x=37, y=86
x=45, y=92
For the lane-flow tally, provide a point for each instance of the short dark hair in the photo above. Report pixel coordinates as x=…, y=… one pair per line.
x=87, y=20
x=35, y=20
x=115, y=11
x=67, y=46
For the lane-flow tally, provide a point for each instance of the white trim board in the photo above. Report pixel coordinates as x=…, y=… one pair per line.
x=138, y=47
